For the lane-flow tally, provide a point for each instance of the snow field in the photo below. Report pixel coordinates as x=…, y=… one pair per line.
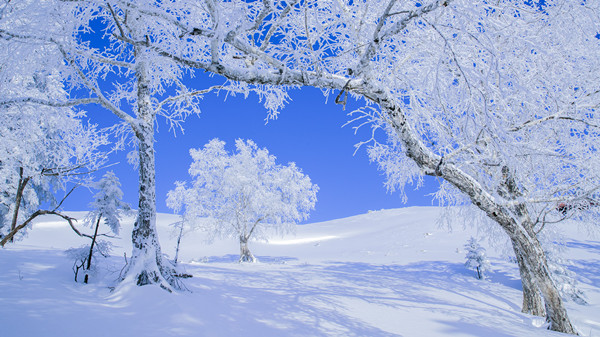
x=385, y=273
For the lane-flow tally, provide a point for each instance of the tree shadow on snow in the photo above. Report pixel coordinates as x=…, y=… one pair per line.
x=350, y=299
x=268, y=299
x=588, y=245
x=234, y=258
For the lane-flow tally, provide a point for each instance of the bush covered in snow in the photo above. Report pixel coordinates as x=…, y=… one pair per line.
x=476, y=258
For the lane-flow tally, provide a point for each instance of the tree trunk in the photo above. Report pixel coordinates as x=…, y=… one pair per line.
x=18, y=198
x=147, y=265
x=178, y=243
x=509, y=189
x=535, y=261
x=89, y=260
x=533, y=304
x=245, y=254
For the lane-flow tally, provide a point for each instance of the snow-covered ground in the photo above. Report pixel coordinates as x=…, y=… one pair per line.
x=385, y=273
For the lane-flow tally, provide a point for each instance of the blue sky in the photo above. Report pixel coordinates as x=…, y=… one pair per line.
x=308, y=132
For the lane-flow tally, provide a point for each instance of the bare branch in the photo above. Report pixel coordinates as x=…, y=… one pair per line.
x=103, y=101
x=254, y=226
x=267, y=9
x=116, y=19
x=65, y=197
x=31, y=218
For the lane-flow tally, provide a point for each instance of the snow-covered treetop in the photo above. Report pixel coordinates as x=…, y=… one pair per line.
x=108, y=203
x=237, y=191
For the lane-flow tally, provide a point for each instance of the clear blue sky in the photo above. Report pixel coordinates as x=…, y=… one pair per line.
x=308, y=132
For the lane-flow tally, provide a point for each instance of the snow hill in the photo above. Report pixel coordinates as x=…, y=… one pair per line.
x=385, y=273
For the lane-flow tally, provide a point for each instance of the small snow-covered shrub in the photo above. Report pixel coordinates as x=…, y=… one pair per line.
x=81, y=255
x=476, y=258
x=107, y=206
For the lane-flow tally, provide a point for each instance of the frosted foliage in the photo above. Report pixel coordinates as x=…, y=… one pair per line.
x=43, y=147
x=108, y=203
x=399, y=170
x=476, y=258
x=484, y=100
x=80, y=255
x=244, y=194
x=473, y=86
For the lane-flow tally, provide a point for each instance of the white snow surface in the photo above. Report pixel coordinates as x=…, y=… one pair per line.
x=385, y=273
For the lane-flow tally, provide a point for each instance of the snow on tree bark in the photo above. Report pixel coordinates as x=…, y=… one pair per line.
x=147, y=265
x=533, y=303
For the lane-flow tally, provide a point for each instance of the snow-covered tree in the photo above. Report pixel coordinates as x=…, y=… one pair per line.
x=476, y=258
x=100, y=50
x=108, y=206
x=244, y=195
x=42, y=149
x=469, y=90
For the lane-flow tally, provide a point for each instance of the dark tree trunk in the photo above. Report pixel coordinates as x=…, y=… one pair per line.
x=535, y=262
x=18, y=198
x=532, y=300
x=89, y=259
x=245, y=254
x=178, y=243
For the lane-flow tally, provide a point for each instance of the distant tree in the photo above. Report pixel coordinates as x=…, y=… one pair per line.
x=476, y=258
x=176, y=201
x=107, y=205
x=243, y=194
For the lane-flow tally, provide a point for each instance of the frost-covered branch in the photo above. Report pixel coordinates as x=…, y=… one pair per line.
x=558, y=116
x=172, y=99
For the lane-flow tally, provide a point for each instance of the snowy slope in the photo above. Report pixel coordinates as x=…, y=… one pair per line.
x=385, y=273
